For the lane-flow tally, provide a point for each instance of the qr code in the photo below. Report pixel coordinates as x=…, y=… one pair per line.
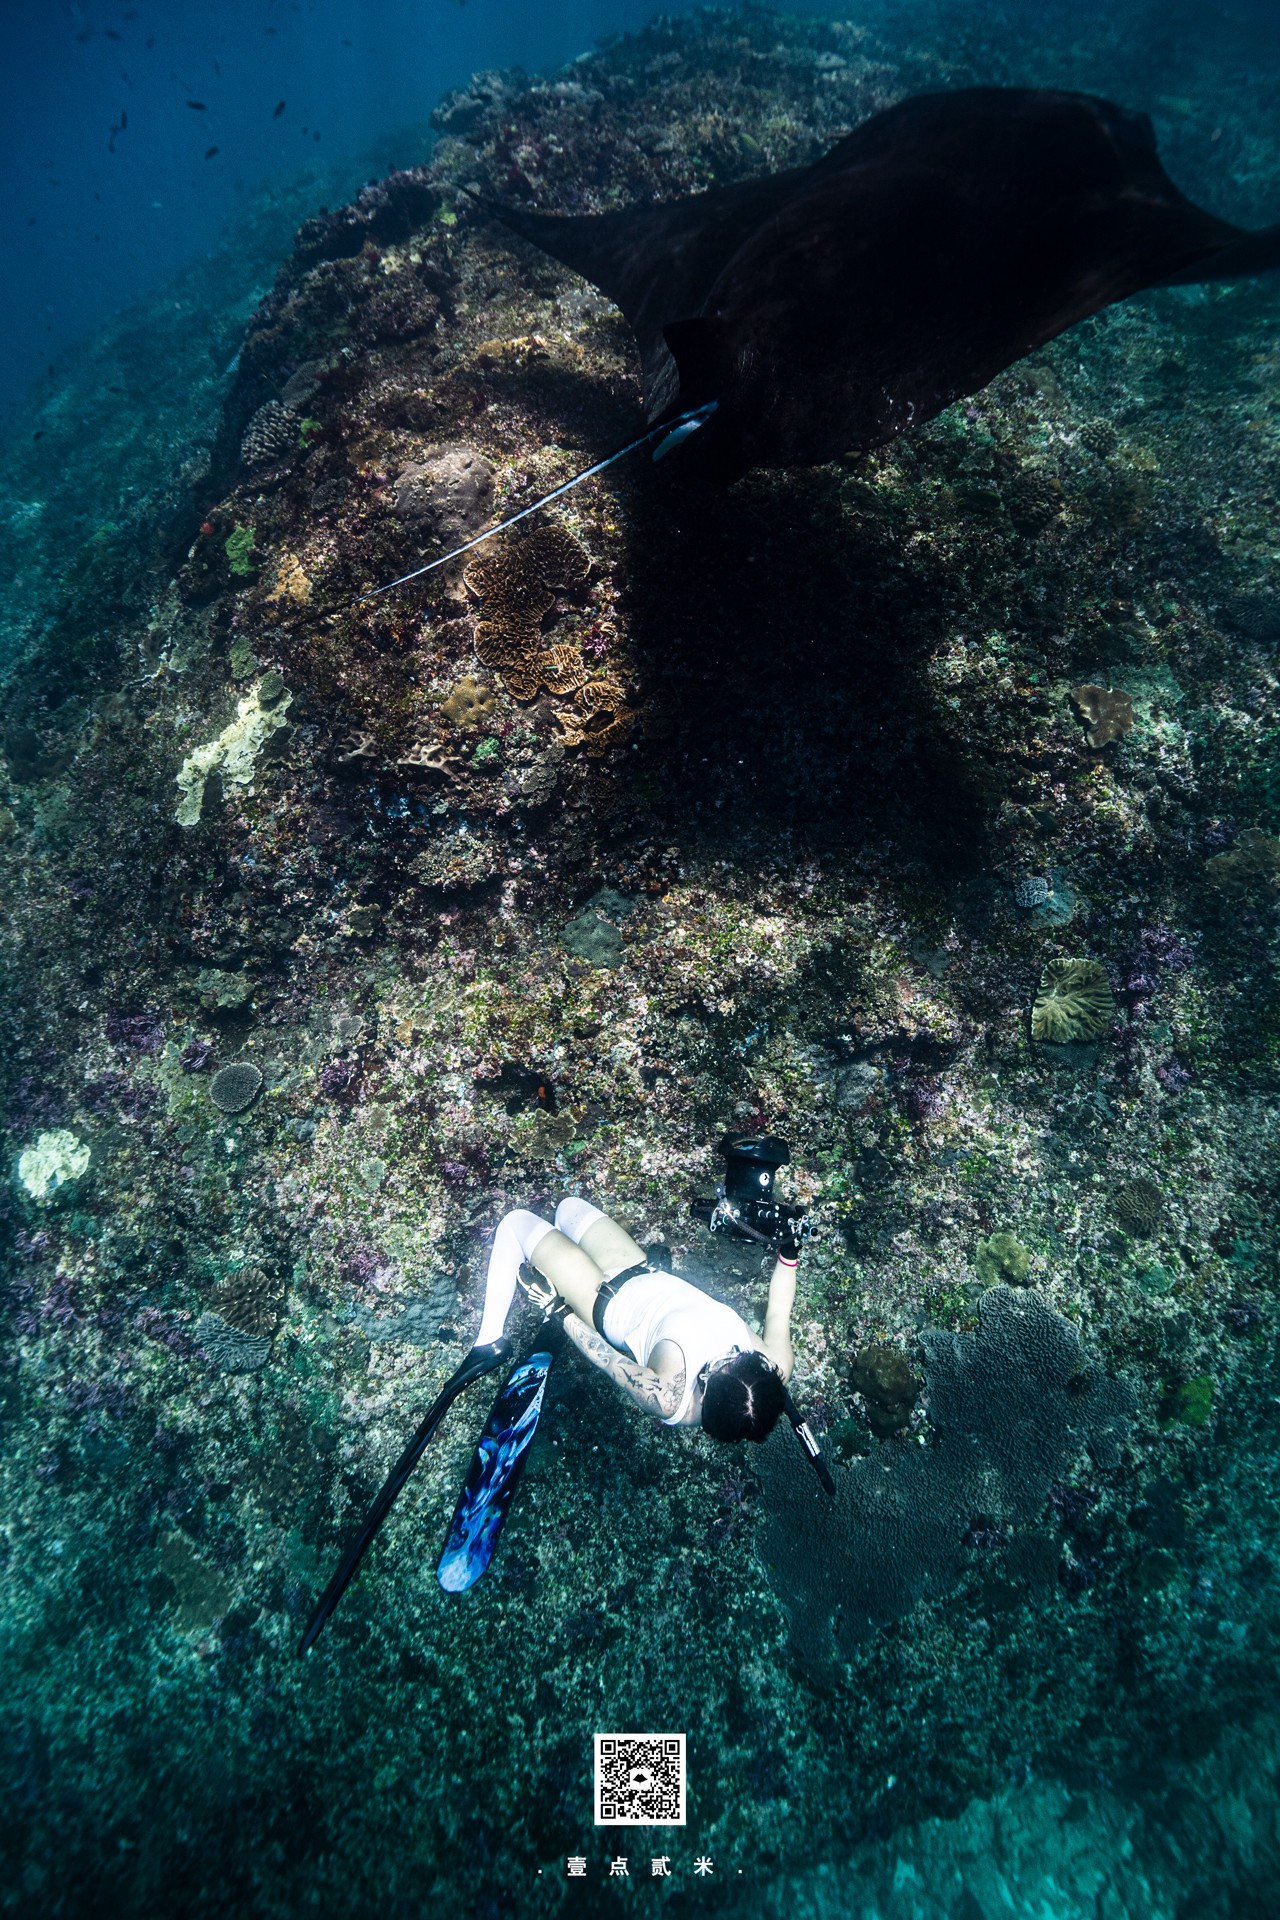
x=640, y=1780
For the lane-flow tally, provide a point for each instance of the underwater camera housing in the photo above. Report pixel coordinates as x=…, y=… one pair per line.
x=745, y=1207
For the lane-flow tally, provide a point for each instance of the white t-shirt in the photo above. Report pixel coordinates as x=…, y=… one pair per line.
x=656, y=1306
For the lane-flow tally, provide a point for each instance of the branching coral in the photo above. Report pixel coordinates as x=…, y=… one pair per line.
x=1075, y=1002
x=270, y=435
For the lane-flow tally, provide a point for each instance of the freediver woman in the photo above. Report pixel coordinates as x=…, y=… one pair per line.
x=671, y=1348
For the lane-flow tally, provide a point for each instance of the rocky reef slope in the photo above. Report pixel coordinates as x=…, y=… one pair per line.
x=922, y=808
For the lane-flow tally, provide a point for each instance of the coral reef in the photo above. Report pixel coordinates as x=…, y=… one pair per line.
x=1109, y=714
x=235, y=1087
x=683, y=812
x=1074, y=1002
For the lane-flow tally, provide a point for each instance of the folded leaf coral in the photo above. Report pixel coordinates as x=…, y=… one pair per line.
x=1075, y=1002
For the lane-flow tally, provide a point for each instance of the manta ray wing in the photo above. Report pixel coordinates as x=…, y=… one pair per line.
x=831, y=308
x=657, y=263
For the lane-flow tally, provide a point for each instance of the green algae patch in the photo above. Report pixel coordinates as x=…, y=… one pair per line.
x=238, y=547
x=1191, y=1403
x=232, y=755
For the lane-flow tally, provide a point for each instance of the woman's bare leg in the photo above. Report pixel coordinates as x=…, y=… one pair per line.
x=602, y=1239
x=571, y=1271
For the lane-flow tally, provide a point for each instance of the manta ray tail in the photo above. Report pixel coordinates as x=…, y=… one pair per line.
x=675, y=430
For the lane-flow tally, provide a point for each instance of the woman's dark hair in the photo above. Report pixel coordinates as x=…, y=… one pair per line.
x=743, y=1399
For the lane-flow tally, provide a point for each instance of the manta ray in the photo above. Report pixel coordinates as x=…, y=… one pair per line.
x=824, y=310
x=827, y=309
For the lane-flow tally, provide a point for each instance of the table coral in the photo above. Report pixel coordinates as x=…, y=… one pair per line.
x=235, y=1087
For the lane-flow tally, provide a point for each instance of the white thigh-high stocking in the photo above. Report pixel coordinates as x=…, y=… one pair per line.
x=517, y=1236
x=573, y=1217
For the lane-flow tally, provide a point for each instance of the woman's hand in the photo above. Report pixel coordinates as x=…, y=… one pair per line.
x=540, y=1291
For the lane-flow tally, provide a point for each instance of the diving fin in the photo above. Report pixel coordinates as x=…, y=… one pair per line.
x=497, y=1464
x=480, y=1360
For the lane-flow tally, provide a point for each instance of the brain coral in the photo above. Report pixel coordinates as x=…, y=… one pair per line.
x=230, y=1347
x=516, y=585
x=250, y=1301
x=1075, y=1001
x=1137, y=1205
x=1012, y=1404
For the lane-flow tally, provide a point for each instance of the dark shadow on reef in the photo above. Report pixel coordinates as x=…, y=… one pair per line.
x=790, y=644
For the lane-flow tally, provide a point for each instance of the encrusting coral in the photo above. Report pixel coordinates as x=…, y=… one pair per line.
x=235, y=750
x=469, y=703
x=1003, y=1257
x=888, y=1387
x=1075, y=1002
x=1251, y=865
x=516, y=585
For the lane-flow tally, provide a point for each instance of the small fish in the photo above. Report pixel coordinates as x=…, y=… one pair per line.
x=111, y=34
x=210, y=151
x=197, y=106
x=279, y=109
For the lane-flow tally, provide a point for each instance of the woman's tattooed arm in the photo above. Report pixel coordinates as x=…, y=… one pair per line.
x=641, y=1384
